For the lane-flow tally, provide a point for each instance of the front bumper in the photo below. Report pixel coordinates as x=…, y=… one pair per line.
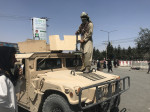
x=121, y=85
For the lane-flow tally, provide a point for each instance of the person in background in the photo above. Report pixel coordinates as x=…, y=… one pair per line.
x=118, y=62
x=7, y=80
x=104, y=65
x=109, y=64
x=148, y=67
x=115, y=63
x=86, y=46
x=98, y=65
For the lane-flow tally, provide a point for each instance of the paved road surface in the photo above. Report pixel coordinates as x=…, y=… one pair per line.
x=137, y=98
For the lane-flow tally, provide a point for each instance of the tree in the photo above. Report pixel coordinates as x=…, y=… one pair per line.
x=129, y=53
x=139, y=51
x=115, y=53
x=134, y=53
x=144, y=41
x=103, y=53
x=118, y=52
x=123, y=54
x=96, y=54
x=110, y=54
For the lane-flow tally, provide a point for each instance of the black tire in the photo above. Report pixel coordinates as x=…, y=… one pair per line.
x=104, y=106
x=115, y=109
x=56, y=103
x=117, y=101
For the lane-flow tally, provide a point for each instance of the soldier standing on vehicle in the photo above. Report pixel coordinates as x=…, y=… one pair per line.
x=86, y=46
x=148, y=67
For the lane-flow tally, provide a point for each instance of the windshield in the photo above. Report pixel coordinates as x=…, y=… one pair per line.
x=48, y=63
x=71, y=62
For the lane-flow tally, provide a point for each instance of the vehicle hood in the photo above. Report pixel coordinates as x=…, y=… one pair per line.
x=65, y=78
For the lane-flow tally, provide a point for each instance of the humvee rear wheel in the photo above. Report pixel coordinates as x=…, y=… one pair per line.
x=56, y=103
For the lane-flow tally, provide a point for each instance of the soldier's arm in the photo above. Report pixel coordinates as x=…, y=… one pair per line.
x=89, y=33
x=78, y=31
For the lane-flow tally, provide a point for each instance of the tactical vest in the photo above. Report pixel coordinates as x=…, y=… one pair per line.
x=84, y=28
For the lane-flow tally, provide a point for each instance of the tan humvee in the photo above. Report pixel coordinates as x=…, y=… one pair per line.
x=51, y=84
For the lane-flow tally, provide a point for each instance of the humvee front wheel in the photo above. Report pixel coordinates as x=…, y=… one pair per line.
x=56, y=103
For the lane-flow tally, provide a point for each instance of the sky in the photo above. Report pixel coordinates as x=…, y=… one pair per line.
x=122, y=18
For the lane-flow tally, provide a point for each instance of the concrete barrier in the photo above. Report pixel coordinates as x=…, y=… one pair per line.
x=140, y=64
x=134, y=64
x=125, y=63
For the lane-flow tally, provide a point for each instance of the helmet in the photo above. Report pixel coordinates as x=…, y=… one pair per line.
x=84, y=15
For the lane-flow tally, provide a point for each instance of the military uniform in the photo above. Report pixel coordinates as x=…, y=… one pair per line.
x=86, y=31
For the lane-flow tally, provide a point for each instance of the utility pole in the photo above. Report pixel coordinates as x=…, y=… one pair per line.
x=105, y=43
x=108, y=32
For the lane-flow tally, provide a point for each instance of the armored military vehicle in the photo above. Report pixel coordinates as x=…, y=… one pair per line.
x=52, y=84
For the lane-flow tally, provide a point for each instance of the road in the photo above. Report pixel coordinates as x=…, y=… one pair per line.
x=137, y=98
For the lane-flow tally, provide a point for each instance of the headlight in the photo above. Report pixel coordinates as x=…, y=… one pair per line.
x=77, y=90
x=67, y=90
x=118, y=77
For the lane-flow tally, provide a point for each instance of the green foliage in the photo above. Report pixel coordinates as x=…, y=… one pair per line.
x=143, y=43
x=110, y=54
x=140, y=52
x=97, y=55
x=120, y=53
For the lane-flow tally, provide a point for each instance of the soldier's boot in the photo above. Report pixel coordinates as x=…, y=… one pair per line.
x=87, y=70
x=82, y=68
